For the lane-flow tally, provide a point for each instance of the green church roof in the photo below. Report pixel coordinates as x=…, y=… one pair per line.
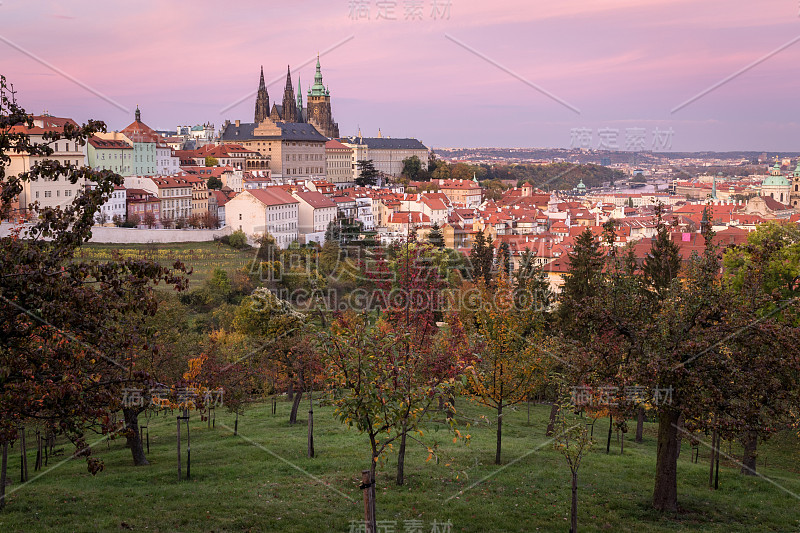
x=318, y=89
x=775, y=181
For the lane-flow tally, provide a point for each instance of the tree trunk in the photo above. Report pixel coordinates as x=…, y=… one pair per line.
x=401, y=458
x=451, y=407
x=551, y=425
x=499, y=433
x=665, y=493
x=295, y=406
x=610, y=426
x=134, y=438
x=714, y=447
x=639, y=424
x=749, y=443
x=290, y=391
x=23, y=460
x=3, y=467
x=574, y=512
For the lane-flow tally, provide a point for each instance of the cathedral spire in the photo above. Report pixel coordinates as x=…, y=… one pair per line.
x=262, y=100
x=299, y=95
x=290, y=111
x=138, y=114
x=288, y=79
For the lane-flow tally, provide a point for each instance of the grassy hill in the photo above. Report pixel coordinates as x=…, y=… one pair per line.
x=262, y=480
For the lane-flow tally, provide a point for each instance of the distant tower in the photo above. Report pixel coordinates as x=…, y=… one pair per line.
x=299, y=102
x=289, y=102
x=262, y=100
x=795, y=191
x=138, y=114
x=318, y=107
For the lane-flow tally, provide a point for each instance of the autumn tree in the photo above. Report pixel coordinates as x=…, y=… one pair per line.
x=573, y=441
x=512, y=360
x=274, y=323
x=63, y=349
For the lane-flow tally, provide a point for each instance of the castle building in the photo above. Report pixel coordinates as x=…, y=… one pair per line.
x=317, y=113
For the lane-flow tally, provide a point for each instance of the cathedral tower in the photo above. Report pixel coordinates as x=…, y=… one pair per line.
x=289, y=102
x=262, y=100
x=318, y=107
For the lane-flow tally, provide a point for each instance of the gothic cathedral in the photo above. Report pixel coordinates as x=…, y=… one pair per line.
x=318, y=112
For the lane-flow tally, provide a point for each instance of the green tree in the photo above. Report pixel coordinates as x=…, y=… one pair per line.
x=237, y=239
x=663, y=263
x=583, y=281
x=214, y=183
x=481, y=257
x=211, y=161
x=435, y=236
x=367, y=174
x=412, y=166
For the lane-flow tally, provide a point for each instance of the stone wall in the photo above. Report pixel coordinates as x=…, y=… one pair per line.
x=116, y=235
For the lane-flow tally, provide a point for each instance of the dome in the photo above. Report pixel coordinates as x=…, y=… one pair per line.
x=775, y=181
x=581, y=186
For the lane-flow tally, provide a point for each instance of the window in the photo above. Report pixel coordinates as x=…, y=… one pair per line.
x=37, y=194
x=47, y=194
x=240, y=218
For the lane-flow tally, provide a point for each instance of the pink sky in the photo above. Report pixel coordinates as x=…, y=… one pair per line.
x=621, y=63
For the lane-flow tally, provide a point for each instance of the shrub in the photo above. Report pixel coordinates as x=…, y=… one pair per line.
x=237, y=240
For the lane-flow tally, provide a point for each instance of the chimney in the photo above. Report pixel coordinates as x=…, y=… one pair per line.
x=238, y=122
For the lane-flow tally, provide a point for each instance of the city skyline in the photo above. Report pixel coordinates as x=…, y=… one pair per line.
x=457, y=73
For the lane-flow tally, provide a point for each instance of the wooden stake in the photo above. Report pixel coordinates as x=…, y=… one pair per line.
x=3, y=466
x=179, y=448
x=369, y=501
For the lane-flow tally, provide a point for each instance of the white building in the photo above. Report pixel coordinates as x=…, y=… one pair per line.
x=115, y=206
x=387, y=154
x=173, y=192
x=316, y=212
x=48, y=193
x=167, y=163
x=270, y=211
x=338, y=164
x=364, y=213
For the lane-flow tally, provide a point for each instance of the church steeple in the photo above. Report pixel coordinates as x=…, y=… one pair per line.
x=262, y=100
x=299, y=97
x=289, y=100
x=318, y=89
x=138, y=114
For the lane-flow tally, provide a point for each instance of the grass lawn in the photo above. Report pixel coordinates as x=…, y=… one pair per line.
x=202, y=257
x=262, y=480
